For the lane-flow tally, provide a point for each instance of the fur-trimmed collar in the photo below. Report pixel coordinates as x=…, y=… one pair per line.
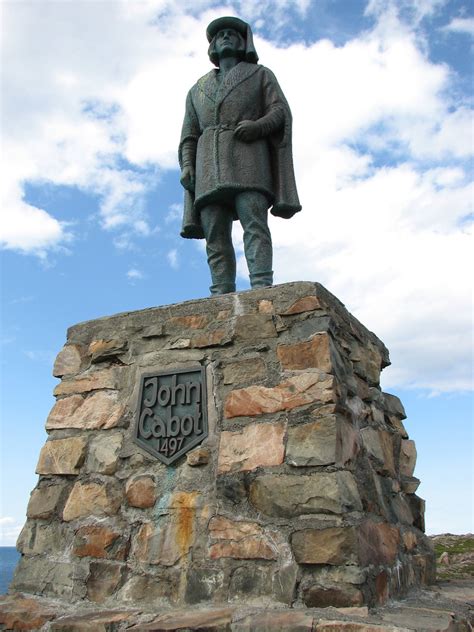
x=217, y=91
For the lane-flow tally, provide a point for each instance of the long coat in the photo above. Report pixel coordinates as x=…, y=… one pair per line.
x=225, y=165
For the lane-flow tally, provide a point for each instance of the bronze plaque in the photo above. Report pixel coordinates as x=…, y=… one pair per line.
x=171, y=412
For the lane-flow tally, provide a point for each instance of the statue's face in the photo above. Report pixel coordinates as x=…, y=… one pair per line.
x=227, y=42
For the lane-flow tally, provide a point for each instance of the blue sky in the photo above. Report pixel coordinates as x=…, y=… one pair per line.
x=381, y=93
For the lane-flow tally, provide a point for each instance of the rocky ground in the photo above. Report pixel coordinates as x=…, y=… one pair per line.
x=444, y=607
x=447, y=606
x=454, y=555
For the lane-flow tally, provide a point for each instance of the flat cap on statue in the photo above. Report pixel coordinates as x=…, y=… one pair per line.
x=226, y=22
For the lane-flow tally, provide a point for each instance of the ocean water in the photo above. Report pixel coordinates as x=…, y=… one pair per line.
x=9, y=557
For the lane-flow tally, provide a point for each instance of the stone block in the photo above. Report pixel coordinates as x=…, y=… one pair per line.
x=105, y=349
x=212, y=338
x=204, y=584
x=50, y=577
x=421, y=619
x=337, y=596
x=388, y=452
x=371, y=442
x=313, y=443
x=305, y=304
x=367, y=360
x=150, y=590
x=379, y=444
x=394, y=406
x=300, y=390
x=62, y=456
x=323, y=442
x=239, y=540
x=44, y=500
x=104, y=450
x=382, y=587
x=231, y=489
x=171, y=538
x=402, y=509
x=284, y=582
x=100, y=541
x=362, y=389
x=319, y=492
x=376, y=492
x=397, y=425
x=378, y=543
x=25, y=613
x=348, y=440
x=314, y=353
x=407, y=457
x=425, y=568
x=244, y=371
x=153, y=331
x=212, y=620
x=256, y=445
x=62, y=410
x=198, y=456
x=104, y=621
x=334, y=546
x=141, y=491
x=328, y=575
x=180, y=324
x=108, y=378
x=104, y=579
x=68, y=361
x=273, y=620
x=100, y=410
x=265, y=307
x=409, y=484
x=410, y=540
x=92, y=498
x=40, y=537
x=354, y=626
x=254, y=327
x=417, y=507
x=249, y=582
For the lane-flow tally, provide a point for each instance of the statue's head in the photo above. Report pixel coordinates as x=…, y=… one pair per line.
x=230, y=36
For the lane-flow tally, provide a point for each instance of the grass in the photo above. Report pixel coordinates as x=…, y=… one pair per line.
x=457, y=546
x=460, y=550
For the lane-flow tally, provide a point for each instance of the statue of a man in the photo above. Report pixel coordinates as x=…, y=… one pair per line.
x=235, y=156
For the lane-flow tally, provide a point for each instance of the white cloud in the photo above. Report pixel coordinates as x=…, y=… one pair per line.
x=134, y=274
x=9, y=531
x=26, y=228
x=172, y=257
x=415, y=9
x=460, y=25
x=77, y=106
x=175, y=214
x=393, y=248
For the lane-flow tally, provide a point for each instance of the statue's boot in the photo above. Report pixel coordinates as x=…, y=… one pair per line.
x=261, y=279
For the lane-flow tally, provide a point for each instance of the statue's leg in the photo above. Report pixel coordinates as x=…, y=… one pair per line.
x=252, y=211
x=217, y=226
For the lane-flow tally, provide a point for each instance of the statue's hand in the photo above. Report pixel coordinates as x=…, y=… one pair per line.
x=188, y=178
x=247, y=131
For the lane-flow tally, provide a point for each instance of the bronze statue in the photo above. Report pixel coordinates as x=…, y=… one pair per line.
x=235, y=156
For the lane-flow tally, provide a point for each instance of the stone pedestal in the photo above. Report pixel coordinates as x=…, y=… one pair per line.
x=302, y=493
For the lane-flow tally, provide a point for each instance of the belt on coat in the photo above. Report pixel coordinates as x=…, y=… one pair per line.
x=220, y=128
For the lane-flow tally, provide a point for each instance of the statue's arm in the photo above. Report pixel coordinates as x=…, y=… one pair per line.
x=274, y=117
x=188, y=145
